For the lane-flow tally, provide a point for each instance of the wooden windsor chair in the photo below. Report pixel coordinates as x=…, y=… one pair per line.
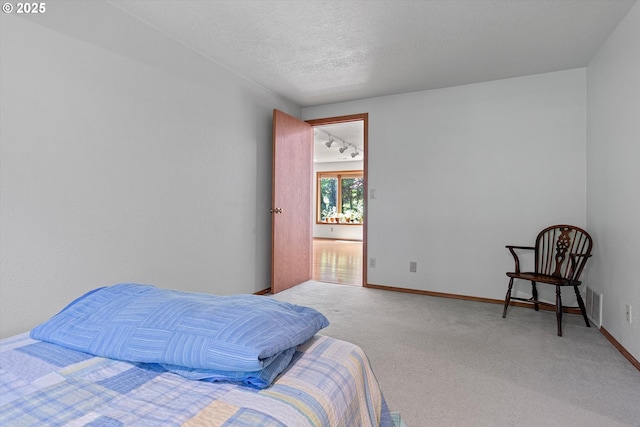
x=561, y=252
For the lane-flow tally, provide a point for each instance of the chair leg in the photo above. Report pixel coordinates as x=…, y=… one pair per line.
x=559, y=310
x=582, y=307
x=534, y=293
x=507, y=298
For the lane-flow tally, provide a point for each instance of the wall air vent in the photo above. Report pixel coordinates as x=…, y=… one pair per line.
x=594, y=306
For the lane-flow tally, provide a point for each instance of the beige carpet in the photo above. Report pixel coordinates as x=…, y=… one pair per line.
x=445, y=362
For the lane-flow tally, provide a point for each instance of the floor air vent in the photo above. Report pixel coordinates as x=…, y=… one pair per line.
x=594, y=307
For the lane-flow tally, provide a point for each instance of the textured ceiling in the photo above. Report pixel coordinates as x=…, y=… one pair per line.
x=316, y=52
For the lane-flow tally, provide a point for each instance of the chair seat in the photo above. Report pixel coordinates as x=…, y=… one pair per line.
x=544, y=278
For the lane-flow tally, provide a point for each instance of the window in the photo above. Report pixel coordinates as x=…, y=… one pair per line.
x=340, y=197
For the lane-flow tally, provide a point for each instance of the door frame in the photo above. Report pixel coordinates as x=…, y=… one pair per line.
x=364, y=117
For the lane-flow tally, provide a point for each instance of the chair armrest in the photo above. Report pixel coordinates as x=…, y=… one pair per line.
x=515, y=255
x=579, y=255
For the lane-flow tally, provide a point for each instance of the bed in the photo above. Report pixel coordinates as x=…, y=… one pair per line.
x=70, y=372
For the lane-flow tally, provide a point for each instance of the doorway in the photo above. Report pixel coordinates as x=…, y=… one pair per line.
x=339, y=225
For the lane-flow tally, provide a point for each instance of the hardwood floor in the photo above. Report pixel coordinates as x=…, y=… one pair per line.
x=337, y=261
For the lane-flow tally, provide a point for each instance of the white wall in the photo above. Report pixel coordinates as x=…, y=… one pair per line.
x=613, y=155
x=335, y=231
x=463, y=171
x=125, y=157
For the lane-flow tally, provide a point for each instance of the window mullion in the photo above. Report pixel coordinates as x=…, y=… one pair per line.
x=339, y=196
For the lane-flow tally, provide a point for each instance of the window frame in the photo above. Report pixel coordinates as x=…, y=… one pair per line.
x=339, y=175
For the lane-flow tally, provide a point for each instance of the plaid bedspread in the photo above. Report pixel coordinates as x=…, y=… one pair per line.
x=329, y=383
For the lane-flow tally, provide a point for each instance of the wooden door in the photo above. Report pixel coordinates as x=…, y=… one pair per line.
x=291, y=226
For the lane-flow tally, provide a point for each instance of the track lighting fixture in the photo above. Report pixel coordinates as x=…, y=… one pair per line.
x=345, y=145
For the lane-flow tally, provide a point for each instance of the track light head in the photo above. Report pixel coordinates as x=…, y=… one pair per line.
x=329, y=142
x=355, y=153
x=342, y=149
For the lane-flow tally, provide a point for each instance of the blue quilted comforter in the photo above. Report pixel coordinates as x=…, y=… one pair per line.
x=243, y=338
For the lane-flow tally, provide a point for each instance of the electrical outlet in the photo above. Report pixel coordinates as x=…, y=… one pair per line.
x=413, y=267
x=629, y=314
x=372, y=262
